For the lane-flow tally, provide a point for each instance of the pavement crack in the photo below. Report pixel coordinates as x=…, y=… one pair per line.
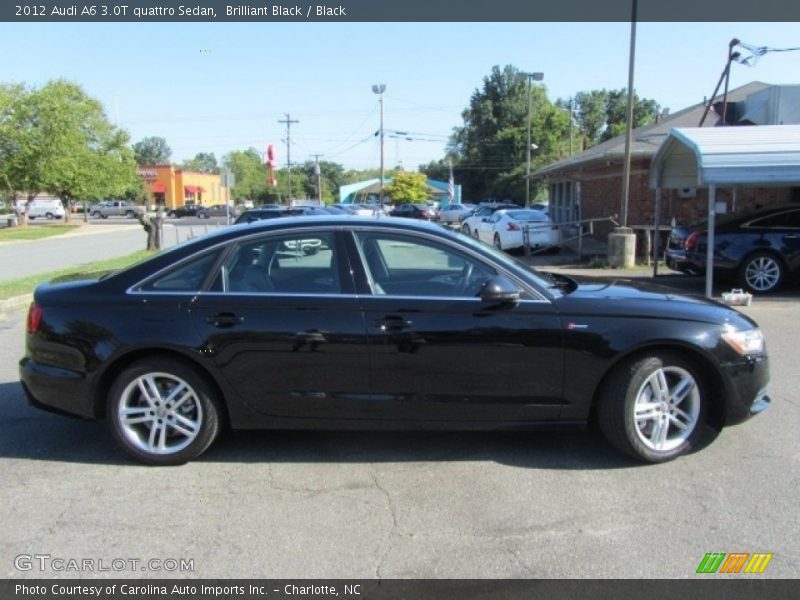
x=390, y=536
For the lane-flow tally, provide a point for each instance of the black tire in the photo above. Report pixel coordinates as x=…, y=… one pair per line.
x=50, y=216
x=497, y=243
x=96, y=214
x=638, y=380
x=172, y=214
x=465, y=229
x=761, y=273
x=183, y=432
x=130, y=214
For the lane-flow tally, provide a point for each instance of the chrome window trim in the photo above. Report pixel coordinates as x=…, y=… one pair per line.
x=754, y=223
x=332, y=296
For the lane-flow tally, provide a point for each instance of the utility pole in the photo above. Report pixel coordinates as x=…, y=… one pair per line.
x=379, y=89
x=531, y=77
x=288, y=121
x=318, y=173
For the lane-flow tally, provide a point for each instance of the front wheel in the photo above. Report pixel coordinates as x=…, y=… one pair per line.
x=163, y=412
x=654, y=407
x=172, y=214
x=761, y=273
x=130, y=214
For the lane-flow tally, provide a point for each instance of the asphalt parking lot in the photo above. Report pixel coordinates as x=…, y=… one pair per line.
x=427, y=505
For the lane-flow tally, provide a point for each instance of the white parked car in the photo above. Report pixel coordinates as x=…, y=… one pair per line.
x=504, y=229
x=453, y=213
x=469, y=224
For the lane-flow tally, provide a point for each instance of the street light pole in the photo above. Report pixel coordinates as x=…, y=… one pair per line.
x=379, y=89
x=530, y=77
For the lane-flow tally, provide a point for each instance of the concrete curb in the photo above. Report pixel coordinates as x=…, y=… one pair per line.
x=16, y=302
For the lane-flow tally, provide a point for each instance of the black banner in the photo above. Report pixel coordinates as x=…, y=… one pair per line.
x=712, y=588
x=396, y=10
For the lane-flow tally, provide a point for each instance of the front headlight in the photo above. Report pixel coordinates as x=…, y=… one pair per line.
x=746, y=342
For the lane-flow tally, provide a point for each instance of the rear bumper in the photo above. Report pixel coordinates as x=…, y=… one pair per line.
x=676, y=260
x=56, y=389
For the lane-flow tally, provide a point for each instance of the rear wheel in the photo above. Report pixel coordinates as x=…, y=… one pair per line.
x=130, y=214
x=50, y=216
x=163, y=412
x=654, y=407
x=96, y=214
x=761, y=273
x=497, y=243
x=172, y=214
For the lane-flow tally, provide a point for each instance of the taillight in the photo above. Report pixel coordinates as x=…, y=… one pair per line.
x=35, y=313
x=512, y=227
x=691, y=241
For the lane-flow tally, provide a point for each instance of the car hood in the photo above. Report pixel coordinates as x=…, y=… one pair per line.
x=638, y=299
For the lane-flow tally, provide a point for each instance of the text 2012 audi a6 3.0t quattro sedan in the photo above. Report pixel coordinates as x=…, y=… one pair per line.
x=391, y=324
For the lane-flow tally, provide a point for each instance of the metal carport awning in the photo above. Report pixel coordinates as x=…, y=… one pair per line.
x=767, y=155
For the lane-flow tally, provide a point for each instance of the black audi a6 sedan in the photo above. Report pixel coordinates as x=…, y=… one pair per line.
x=390, y=324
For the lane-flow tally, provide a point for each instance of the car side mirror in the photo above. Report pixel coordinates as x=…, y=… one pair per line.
x=485, y=219
x=500, y=290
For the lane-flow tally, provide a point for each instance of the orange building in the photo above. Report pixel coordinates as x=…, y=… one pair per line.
x=174, y=187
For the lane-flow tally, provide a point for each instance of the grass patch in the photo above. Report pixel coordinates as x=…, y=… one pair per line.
x=26, y=285
x=35, y=232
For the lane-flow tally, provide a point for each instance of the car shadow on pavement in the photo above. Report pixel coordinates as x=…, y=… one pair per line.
x=565, y=449
x=27, y=433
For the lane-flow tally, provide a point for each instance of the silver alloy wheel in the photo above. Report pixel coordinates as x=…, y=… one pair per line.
x=762, y=273
x=666, y=409
x=497, y=243
x=160, y=413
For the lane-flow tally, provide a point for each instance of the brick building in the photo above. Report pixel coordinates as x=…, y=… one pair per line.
x=589, y=185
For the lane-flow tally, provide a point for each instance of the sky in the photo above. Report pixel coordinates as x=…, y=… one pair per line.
x=219, y=87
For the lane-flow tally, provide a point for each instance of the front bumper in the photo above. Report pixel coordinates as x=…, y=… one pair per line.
x=746, y=389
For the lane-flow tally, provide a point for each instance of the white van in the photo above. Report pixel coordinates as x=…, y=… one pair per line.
x=46, y=207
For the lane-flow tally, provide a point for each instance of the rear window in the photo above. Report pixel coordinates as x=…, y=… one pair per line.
x=526, y=215
x=188, y=277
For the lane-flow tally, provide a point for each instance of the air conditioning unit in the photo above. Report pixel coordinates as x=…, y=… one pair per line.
x=687, y=192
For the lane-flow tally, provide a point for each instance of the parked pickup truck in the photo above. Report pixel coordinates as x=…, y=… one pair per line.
x=116, y=208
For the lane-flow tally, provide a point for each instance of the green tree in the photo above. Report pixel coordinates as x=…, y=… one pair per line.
x=249, y=174
x=152, y=150
x=644, y=113
x=407, y=187
x=60, y=141
x=204, y=162
x=332, y=176
x=602, y=114
x=491, y=147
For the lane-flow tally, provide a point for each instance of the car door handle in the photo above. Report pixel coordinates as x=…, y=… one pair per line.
x=393, y=323
x=224, y=320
